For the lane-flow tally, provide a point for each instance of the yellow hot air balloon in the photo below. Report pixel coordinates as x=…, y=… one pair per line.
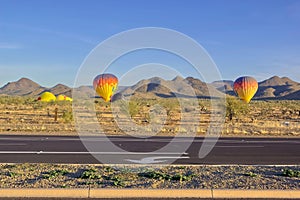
x=47, y=97
x=69, y=99
x=105, y=85
x=63, y=98
x=245, y=87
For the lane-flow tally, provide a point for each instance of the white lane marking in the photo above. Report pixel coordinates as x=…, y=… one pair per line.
x=155, y=159
x=13, y=144
x=270, y=141
x=185, y=140
x=239, y=146
x=99, y=139
x=104, y=153
x=95, y=139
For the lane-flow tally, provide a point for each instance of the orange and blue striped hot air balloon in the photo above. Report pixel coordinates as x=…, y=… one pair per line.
x=245, y=87
x=105, y=85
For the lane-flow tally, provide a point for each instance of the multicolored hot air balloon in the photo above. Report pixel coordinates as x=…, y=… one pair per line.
x=245, y=87
x=105, y=85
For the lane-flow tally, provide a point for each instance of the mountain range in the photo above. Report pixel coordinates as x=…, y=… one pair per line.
x=277, y=88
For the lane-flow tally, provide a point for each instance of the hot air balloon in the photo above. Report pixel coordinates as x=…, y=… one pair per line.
x=63, y=98
x=105, y=85
x=47, y=97
x=245, y=87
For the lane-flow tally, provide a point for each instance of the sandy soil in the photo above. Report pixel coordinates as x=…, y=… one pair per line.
x=272, y=118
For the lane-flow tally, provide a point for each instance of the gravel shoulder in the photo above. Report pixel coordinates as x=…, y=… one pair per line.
x=149, y=177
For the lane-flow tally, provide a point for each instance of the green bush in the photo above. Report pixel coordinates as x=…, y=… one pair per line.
x=55, y=173
x=236, y=108
x=11, y=174
x=164, y=176
x=68, y=116
x=90, y=174
x=118, y=181
x=251, y=174
x=291, y=173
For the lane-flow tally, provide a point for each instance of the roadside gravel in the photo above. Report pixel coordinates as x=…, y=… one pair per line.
x=154, y=177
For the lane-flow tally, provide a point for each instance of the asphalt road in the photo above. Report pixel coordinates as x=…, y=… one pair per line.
x=128, y=150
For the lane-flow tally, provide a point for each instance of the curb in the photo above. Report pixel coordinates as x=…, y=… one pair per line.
x=150, y=193
x=257, y=194
x=76, y=193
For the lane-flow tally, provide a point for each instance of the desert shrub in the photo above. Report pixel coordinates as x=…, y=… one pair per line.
x=67, y=116
x=90, y=174
x=54, y=173
x=250, y=174
x=133, y=108
x=291, y=173
x=170, y=105
x=236, y=108
x=11, y=174
x=165, y=176
x=117, y=181
x=15, y=100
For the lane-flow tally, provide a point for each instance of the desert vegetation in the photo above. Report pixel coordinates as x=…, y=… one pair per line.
x=155, y=177
x=26, y=115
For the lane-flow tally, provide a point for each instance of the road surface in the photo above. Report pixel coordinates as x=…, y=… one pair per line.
x=67, y=149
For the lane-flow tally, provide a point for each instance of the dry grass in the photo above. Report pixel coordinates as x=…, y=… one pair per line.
x=161, y=116
x=26, y=115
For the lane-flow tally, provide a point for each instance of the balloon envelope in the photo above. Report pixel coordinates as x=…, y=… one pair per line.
x=69, y=99
x=47, y=97
x=245, y=87
x=63, y=98
x=105, y=85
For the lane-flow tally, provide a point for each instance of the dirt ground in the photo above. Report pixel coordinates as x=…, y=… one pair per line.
x=162, y=117
x=151, y=177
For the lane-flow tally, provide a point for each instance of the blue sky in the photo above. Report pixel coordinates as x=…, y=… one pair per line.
x=47, y=41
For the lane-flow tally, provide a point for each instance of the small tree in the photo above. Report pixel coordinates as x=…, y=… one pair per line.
x=235, y=108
